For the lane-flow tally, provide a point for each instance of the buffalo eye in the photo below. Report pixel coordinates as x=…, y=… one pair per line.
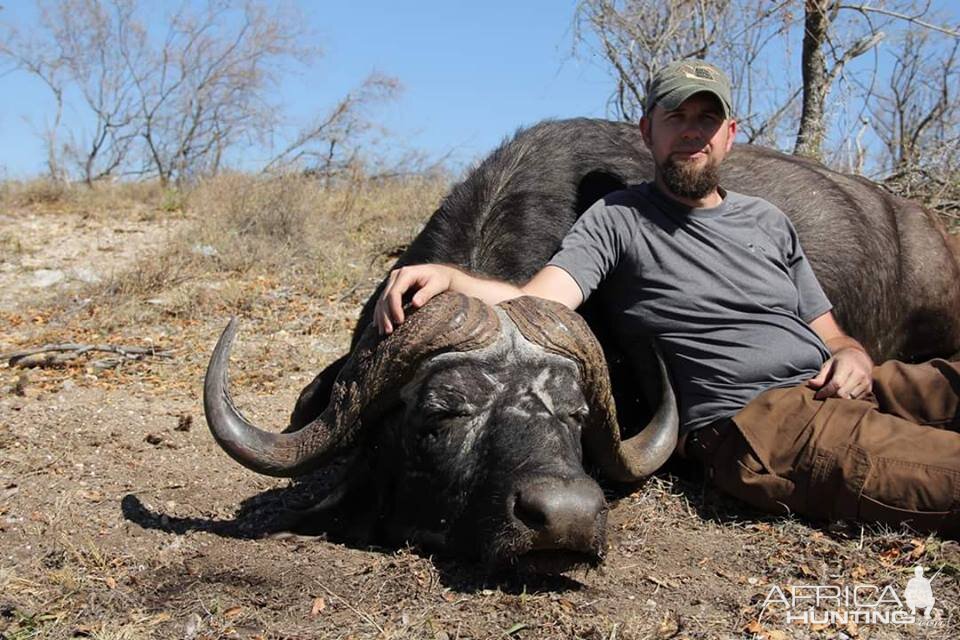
x=445, y=399
x=447, y=413
x=441, y=410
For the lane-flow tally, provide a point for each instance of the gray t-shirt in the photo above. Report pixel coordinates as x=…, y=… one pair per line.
x=726, y=292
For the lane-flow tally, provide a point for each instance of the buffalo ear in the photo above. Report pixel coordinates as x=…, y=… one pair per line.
x=356, y=496
x=315, y=397
x=348, y=511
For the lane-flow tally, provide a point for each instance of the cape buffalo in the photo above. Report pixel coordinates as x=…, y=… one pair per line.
x=464, y=428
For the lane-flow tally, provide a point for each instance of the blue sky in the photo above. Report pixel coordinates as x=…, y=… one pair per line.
x=472, y=73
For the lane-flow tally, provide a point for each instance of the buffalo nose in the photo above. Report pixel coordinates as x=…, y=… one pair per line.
x=563, y=514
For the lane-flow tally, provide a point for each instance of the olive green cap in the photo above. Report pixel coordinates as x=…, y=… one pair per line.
x=679, y=80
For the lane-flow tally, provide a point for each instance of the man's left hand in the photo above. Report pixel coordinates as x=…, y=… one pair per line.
x=848, y=374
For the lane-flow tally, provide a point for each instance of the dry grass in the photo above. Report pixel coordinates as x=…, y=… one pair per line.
x=144, y=199
x=683, y=560
x=250, y=234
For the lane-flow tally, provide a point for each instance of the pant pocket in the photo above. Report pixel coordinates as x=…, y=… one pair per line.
x=739, y=472
x=946, y=522
x=925, y=497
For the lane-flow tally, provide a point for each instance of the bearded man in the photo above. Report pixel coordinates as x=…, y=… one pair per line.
x=780, y=406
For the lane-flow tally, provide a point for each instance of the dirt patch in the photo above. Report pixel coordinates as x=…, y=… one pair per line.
x=44, y=255
x=121, y=518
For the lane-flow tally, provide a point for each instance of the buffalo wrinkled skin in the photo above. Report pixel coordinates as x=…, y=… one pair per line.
x=490, y=459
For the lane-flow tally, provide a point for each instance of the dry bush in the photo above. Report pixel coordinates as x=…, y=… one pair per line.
x=938, y=189
x=38, y=192
x=271, y=208
x=143, y=199
x=251, y=233
x=10, y=245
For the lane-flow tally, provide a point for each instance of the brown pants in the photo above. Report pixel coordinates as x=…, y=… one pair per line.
x=893, y=457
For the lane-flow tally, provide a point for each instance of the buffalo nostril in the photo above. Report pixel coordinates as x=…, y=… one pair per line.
x=559, y=511
x=530, y=510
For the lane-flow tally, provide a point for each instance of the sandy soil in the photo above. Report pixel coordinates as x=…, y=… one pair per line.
x=121, y=518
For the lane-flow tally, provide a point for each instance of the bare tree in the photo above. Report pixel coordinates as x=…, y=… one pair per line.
x=209, y=86
x=755, y=41
x=328, y=145
x=73, y=52
x=820, y=17
x=176, y=100
x=26, y=54
x=917, y=119
x=87, y=34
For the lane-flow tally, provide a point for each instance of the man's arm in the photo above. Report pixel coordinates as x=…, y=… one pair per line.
x=848, y=373
x=428, y=280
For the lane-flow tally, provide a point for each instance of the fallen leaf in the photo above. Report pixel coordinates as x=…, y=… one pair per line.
x=319, y=604
x=920, y=548
x=753, y=626
x=669, y=626
x=517, y=627
x=889, y=557
x=111, y=582
x=232, y=612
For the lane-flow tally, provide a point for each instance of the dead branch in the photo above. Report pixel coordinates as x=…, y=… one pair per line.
x=53, y=355
x=862, y=8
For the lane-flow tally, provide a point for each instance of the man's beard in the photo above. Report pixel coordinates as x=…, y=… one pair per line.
x=684, y=179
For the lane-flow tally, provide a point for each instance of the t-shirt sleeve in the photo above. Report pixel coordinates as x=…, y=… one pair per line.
x=813, y=301
x=593, y=246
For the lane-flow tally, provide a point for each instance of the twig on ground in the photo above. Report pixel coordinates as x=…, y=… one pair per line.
x=364, y=616
x=52, y=355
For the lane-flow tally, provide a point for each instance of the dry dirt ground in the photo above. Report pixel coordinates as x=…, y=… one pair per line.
x=121, y=518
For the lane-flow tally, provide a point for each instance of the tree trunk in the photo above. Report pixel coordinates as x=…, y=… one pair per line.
x=816, y=83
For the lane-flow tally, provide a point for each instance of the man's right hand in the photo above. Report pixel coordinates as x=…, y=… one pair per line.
x=427, y=280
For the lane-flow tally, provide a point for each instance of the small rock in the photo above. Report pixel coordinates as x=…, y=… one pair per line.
x=153, y=438
x=43, y=278
x=205, y=250
x=86, y=275
x=20, y=386
x=68, y=384
x=192, y=627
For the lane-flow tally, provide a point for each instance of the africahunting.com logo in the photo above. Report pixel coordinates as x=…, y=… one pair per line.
x=838, y=604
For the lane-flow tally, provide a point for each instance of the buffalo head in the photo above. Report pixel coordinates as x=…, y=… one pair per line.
x=465, y=430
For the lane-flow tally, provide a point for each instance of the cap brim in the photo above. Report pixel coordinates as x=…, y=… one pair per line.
x=677, y=97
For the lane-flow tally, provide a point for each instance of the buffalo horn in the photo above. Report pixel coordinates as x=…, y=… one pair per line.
x=365, y=387
x=558, y=329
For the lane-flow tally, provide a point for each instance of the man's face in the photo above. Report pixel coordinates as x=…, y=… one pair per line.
x=688, y=144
